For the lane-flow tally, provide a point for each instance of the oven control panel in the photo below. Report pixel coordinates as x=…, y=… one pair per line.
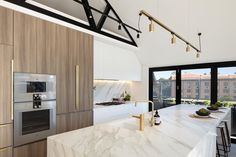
x=37, y=101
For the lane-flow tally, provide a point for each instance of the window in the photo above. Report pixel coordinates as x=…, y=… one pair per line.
x=164, y=88
x=226, y=84
x=210, y=82
x=207, y=84
x=200, y=80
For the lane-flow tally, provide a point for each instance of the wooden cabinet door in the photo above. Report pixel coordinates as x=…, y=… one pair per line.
x=6, y=152
x=46, y=47
x=86, y=72
x=80, y=120
x=37, y=149
x=24, y=43
x=62, y=123
x=6, y=26
x=5, y=83
x=81, y=54
x=6, y=135
x=62, y=68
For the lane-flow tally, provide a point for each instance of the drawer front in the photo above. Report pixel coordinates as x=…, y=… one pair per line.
x=6, y=152
x=6, y=136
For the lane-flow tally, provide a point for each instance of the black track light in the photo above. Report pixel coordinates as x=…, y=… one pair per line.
x=119, y=27
x=138, y=35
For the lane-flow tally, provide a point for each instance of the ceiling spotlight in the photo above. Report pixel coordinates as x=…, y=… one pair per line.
x=151, y=26
x=173, y=39
x=198, y=55
x=119, y=27
x=138, y=35
x=187, y=47
x=90, y=16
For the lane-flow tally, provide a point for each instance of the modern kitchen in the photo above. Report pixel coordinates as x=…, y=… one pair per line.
x=108, y=78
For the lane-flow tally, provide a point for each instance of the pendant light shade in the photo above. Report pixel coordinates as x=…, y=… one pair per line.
x=173, y=39
x=151, y=26
x=187, y=48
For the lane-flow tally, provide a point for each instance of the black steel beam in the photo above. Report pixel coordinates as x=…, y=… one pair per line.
x=22, y=3
x=120, y=21
x=103, y=17
x=89, y=14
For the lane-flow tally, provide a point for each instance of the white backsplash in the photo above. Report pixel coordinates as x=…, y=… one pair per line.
x=105, y=90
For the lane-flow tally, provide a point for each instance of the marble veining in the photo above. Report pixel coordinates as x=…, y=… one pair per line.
x=105, y=90
x=179, y=135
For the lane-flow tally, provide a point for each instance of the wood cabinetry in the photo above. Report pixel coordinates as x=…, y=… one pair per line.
x=5, y=83
x=46, y=47
x=80, y=53
x=37, y=149
x=6, y=26
x=24, y=43
x=6, y=136
x=6, y=152
x=80, y=120
x=62, y=68
x=62, y=125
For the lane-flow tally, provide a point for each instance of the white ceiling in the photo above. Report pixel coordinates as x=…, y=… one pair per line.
x=214, y=18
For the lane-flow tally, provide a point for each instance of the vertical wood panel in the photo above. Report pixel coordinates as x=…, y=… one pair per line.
x=86, y=72
x=62, y=68
x=6, y=135
x=5, y=83
x=80, y=120
x=46, y=47
x=7, y=152
x=24, y=43
x=62, y=125
x=6, y=26
x=80, y=53
x=73, y=61
x=37, y=149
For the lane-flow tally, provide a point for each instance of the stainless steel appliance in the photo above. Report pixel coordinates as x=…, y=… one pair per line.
x=34, y=107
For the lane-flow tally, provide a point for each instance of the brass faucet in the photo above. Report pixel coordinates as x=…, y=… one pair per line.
x=141, y=116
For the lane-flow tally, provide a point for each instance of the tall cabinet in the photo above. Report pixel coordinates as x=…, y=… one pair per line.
x=6, y=54
x=39, y=46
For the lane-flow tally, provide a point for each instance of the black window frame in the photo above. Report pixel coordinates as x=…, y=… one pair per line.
x=178, y=68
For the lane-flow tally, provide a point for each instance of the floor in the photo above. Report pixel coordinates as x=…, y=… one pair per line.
x=233, y=151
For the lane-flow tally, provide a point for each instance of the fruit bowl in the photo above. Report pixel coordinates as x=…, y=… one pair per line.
x=203, y=112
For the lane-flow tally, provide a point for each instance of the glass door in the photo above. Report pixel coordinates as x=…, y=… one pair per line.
x=164, y=88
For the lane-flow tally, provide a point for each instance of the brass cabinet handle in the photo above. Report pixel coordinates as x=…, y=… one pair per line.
x=12, y=88
x=77, y=92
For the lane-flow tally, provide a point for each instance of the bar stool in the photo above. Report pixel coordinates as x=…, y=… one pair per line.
x=225, y=144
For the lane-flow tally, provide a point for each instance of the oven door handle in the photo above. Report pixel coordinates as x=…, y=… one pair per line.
x=77, y=92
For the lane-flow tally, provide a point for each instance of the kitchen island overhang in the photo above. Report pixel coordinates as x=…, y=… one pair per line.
x=179, y=135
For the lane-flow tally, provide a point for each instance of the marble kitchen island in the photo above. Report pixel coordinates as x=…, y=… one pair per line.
x=179, y=135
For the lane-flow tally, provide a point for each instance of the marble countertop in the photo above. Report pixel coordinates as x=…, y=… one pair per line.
x=179, y=135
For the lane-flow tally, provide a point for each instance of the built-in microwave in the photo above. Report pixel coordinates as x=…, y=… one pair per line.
x=27, y=84
x=34, y=107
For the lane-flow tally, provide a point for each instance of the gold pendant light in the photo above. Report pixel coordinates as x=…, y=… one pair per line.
x=151, y=26
x=187, y=48
x=173, y=39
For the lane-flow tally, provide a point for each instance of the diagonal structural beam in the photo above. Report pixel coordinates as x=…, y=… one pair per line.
x=89, y=14
x=120, y=21
x=103, y=17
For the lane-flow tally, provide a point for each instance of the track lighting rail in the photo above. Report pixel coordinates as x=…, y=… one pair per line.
x=152, y=19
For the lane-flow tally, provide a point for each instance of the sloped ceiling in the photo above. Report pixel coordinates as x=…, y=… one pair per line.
x=214, y=18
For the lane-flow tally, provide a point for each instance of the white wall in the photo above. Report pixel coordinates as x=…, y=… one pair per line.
x=115, y=62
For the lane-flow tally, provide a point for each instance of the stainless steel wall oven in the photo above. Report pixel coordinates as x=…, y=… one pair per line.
x=34, y=107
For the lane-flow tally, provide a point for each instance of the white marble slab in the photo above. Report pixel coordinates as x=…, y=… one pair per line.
x=179, y=135
x=104, y=114
x=105, y=90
